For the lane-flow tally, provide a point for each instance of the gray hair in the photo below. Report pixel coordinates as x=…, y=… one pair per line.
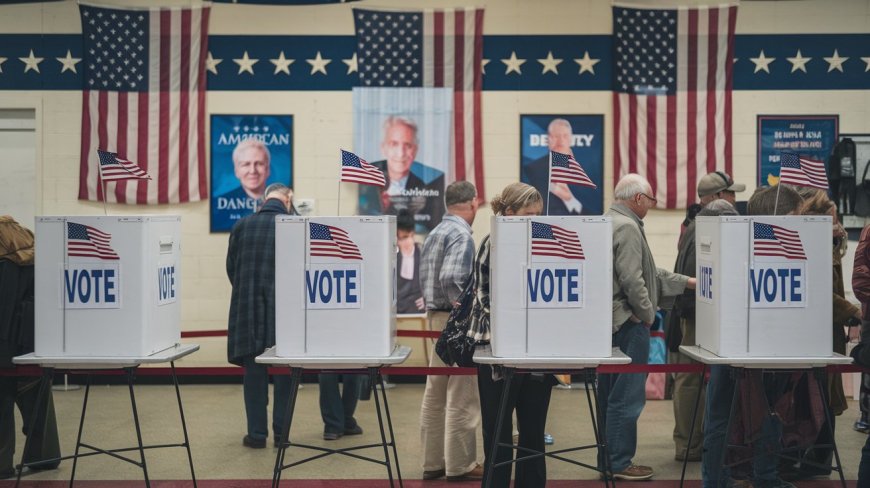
x=399, y=120
x=277, y=188
x=630, y=185
x=718, y=207
x=251, y=143
x=559, y=122
x=459, y=192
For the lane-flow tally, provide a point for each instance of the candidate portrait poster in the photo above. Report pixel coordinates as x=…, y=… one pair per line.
x=407, y=137
x=237, y=186
x=579, y=135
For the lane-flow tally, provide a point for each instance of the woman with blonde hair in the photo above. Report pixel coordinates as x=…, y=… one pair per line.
x=530, y=393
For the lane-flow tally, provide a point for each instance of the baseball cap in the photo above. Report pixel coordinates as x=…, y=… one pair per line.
x=718, y=181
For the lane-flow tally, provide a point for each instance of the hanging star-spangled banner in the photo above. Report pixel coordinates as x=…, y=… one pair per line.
x=672, y=84
x=144, y=100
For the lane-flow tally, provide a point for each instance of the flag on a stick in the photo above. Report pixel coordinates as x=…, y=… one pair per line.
x=114, y=168
x=355, y=169
x=796, y=170
x=565, y=169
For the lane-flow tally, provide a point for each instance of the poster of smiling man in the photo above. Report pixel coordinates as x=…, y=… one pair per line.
x=248, y=152
x=580, y=136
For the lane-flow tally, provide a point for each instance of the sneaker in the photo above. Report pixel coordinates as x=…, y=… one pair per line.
x=862, y=426
x=634, y=473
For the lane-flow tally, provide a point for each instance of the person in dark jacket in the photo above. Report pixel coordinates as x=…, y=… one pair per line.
x=861, y=355
x=16, y=338
x=409, y=292
x=251, y=327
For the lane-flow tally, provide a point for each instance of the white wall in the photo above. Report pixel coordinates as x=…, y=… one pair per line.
x=323, y=119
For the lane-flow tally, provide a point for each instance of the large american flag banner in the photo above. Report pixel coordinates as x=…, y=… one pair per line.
x=144, y=99
x=354, y=169
x=431, y=49
x=565, y=169
x=673, y=78
x=333, y=242
x=771, y=240
x=795, y=170
x=88, y=242
x=552, y=240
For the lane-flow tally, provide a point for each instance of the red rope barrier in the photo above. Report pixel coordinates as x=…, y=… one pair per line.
x=393, y=370
x=190, y=334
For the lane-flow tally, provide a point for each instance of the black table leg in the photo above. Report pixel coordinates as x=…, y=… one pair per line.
x=130, y=379
x=72, y=476
x=374, y=381
x=295, y=380
x=41, y=395
x=598, y=426
x=390, y=427
x=692, y=427
x=502, y=411
x=737, y=374
x=821, y=377
x=183, y=422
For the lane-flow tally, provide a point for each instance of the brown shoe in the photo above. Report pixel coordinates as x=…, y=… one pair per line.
x=475, y=474
x=634, y=473
x=433, y=475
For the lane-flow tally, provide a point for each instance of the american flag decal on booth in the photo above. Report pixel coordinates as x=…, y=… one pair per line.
x=554, y=241
x=331, y=241
x=88, y=242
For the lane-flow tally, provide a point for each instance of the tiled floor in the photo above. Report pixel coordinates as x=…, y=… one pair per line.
x=216, y=421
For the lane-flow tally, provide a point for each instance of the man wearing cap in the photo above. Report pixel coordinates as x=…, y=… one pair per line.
x=713, y=187
x=716, y=185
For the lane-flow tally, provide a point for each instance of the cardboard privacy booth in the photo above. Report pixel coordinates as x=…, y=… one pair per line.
x=764, y=286
x=551, y=286
x=107, y=286
x=335, y=286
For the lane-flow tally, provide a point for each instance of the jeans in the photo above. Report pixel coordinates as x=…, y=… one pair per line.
x=720, y=392
x=623, y=396
x=256, y=391
x=337, y=408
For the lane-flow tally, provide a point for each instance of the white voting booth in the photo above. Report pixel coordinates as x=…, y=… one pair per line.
x=551, y=286
x=335, y=286
x=107, y=286
x=764, y=286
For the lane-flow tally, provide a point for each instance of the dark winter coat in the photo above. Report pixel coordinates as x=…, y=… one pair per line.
x=251, y=270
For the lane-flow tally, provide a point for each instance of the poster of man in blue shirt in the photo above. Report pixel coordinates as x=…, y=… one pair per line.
x=247, y=153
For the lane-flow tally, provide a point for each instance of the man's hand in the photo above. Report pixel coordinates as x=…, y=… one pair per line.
x=562, y=191
x=420, y=303
x=691, y=283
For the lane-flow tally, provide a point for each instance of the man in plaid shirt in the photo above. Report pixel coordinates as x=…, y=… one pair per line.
x=450, y=414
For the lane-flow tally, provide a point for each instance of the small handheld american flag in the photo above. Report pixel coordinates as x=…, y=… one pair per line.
x=88, y=242
x=355, y=169
x=773, y=240
x=333, y=242
x=795, y=170
x=114, y=168
x=565, y=169
x=552, y=240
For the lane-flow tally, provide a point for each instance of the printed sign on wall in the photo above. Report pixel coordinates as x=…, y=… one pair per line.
x=809, y=136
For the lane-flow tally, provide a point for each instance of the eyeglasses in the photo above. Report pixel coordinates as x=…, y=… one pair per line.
x=651, y=198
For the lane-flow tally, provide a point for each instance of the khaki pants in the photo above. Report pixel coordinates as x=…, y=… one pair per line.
x=686, y=387
x=449, y=416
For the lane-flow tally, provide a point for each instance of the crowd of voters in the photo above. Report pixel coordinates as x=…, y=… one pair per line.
x=454, y=407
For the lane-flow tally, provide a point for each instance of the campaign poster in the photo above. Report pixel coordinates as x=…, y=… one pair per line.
x=248, y=153
x=579, y=135
x=408, y=137
x=812, y=136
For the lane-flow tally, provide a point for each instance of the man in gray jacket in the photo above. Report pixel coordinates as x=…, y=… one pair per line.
x=637, y=288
